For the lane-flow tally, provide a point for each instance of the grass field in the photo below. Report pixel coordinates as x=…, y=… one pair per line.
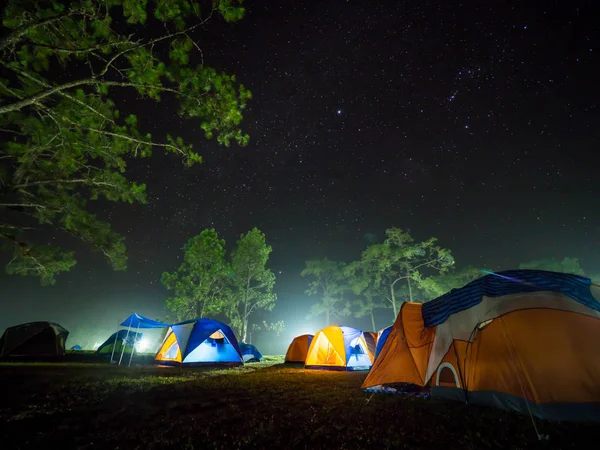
x=264, y=405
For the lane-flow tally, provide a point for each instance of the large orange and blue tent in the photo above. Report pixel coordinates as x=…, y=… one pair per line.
x=199, y=342
x=298, y=349
x=522, y=340
x=339, y=348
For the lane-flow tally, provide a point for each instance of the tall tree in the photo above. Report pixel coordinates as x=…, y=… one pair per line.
x=400, y=259
x=64, y=65
x=252, y=282
x=198, y=284
x=328, y=281
x=368, y=291
x=566, y=265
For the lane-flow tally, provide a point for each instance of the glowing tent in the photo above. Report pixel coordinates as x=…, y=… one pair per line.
x=521, y=340
x=382, y=336
x=33, y=339
x=341, y=348
x=199, y=342
x=298, y=349
x=250, y=353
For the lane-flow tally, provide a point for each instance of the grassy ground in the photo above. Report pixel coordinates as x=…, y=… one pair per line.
x=264, y=405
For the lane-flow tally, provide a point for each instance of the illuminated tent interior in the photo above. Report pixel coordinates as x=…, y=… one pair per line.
x=298, y=349
x=341, y=348
x=199, y=342
x=33, y=339
x=521, y=340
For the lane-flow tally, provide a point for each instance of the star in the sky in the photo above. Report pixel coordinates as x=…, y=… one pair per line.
x=339, y=112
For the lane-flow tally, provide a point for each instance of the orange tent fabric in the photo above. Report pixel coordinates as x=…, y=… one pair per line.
x=337, y=347
x=298, y=349
x=555, y=361
x=403, y=359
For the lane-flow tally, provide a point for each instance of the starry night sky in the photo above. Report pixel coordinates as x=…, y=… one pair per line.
x=477, y=124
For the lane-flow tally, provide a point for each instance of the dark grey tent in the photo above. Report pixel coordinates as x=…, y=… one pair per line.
x=33, y=339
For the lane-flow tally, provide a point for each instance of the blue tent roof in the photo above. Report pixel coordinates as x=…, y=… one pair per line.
x=505, y=283
x=249, y=352
x=137, y=321
x=382, y=338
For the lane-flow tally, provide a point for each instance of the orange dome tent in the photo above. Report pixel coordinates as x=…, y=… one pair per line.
x=298, y=349
x=521, y=340
x=341, y=348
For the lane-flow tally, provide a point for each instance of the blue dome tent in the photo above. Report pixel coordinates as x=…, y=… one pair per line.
x=250, y=353
x=199, y=342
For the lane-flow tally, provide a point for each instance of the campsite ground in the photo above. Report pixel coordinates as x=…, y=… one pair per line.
x=264, y=405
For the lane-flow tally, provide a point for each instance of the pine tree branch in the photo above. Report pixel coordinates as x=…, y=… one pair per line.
x=117, y=135
x=34, y=99
x=16, y=35
x=22, y=205
x=154, y=41
x=64, y=94
x=77, y=181
x=93, y=80
x=76, y=51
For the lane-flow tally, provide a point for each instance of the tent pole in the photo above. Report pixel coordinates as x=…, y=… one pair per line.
x=114, y=344
x=133, y=348
x=124, y=343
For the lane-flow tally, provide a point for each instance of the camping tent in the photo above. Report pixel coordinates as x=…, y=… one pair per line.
x=298, y=349
x=382, y=336
x=114, y=344
x=33, y=339
x=250, y=353
x=522, y=340
x=199, y=342
x=135, y=322
x=341, y=348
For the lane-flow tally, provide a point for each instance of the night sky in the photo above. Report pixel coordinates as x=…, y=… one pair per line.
x=476, y=124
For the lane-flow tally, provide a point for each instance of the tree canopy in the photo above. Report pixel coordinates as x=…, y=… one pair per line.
x=437, y=285
x=401, y=259
x=251, y=281
x=64, y=140
x=367, y=290
x=198, y=285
